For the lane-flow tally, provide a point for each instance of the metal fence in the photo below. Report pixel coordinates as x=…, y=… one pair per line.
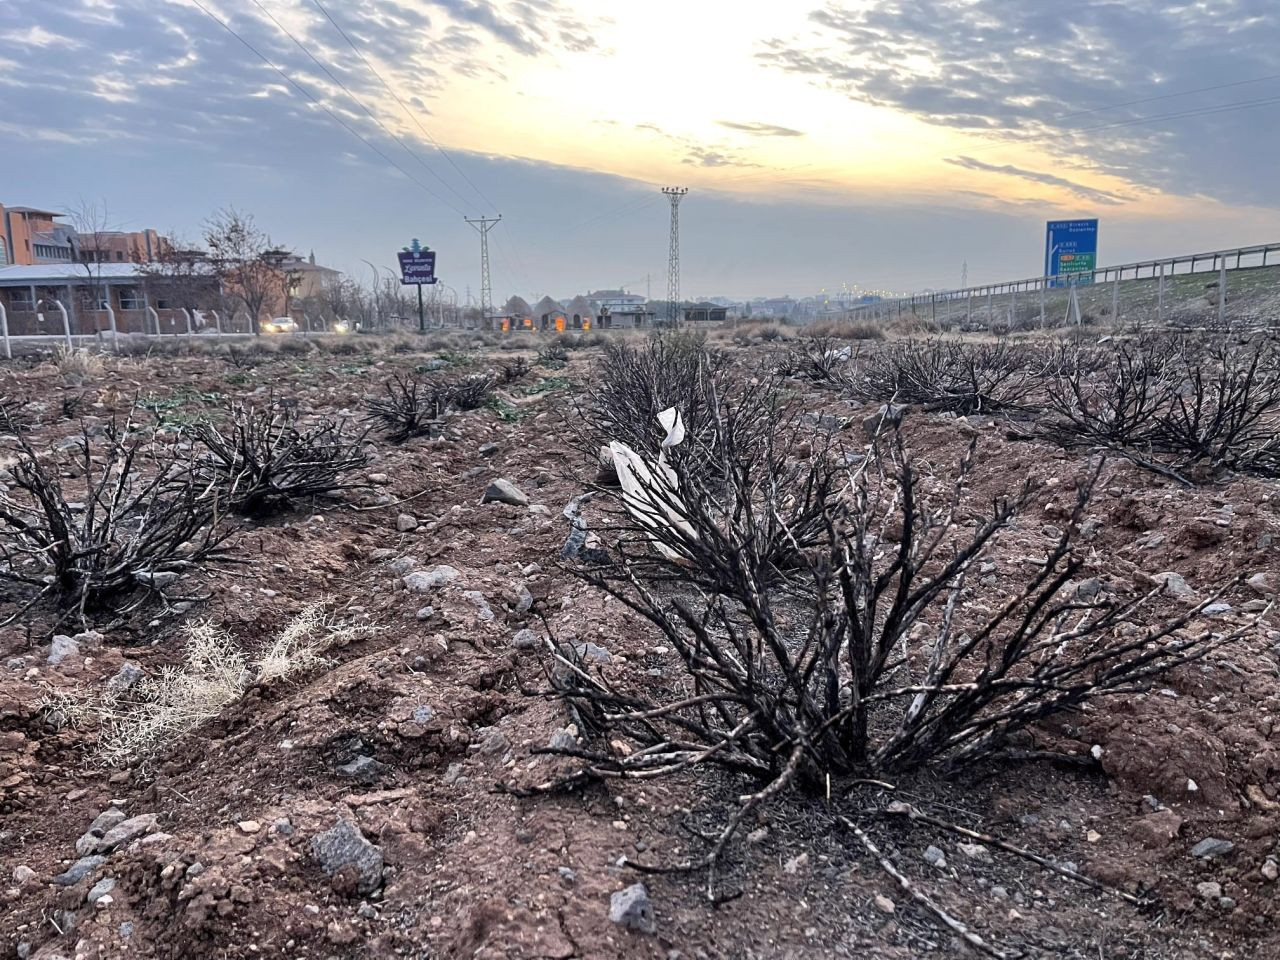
x=1240, y=286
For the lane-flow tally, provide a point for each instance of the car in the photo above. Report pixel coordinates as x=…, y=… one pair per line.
x=280, y=325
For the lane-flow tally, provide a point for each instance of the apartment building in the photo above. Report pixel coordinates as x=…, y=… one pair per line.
x=30, y=236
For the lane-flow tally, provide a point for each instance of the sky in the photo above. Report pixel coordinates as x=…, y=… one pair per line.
x=890, y=145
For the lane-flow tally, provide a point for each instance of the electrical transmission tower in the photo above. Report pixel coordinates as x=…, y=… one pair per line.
x=483, y=225
x=675, y=195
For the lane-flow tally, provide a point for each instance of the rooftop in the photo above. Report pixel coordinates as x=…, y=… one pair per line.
x=68, y=272
x=36, y=211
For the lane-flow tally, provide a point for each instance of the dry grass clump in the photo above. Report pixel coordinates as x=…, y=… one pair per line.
x=77, y=364
x=137, y=723
x=846, y=330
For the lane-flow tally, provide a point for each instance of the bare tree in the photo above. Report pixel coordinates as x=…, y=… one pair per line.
x=245, y=259
x=92, y=224
x=182, y=276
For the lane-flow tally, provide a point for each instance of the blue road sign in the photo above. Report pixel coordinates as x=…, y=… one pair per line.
x=1071, y=252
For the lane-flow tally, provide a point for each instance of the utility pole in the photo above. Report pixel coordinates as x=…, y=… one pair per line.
x=675, y=195
x=964, y=274
x=483, y=225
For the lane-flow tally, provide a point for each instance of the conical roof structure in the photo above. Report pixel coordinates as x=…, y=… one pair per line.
x=547, y=305
x=517, y=307
x=580, y=306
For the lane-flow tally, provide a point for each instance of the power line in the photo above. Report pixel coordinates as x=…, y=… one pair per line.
x=412, y=116
x=1164, y=96
x=372, y=116
x=310, y=96
x=1135, y=121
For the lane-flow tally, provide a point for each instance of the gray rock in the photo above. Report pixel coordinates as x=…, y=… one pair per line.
x=380, y=554
x=22, y=874
x=1216, y=609
x=379, y=479
x=432, y=365
x=935, y=857
x=79, y=870
x=453, y=773
x=483, y=610
x=1209, y=889
x=525, y=640
x=567, y=875
x=1261, y=583
x=1211, y=848
x=632, y=908
x=423, y=715
x=156, y=579
x=1175, y=585
x=976, y=851
x=283, y=827
x=61, y=648
x=343, y=845
x=406, y=523
x=107, y=819
x=126, y=679
x=562, y=740
x=504, y=491
x=1089, y=589
x=1227, y=903
x=127, y=830
x=999, y=892
x=365, y=769
x=425, y=613
x=888, y=417
x=494, y=743
x=87, y=843
x=592, y=653
x=488, y=449
x=402, y=565
x=524, y=602
x=100, y=890
x=424, y=581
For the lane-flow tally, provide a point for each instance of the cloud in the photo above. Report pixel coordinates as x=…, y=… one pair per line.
x=761, y=129
x=1009, y=170
x=1059, y=73
x=37, y=36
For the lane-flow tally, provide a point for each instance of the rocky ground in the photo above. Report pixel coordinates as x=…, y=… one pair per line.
x=353, y=812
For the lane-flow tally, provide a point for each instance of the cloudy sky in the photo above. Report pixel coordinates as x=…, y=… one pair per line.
x=883, y=144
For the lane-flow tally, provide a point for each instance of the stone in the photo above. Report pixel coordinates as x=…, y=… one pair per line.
x=483, y=611
x=562, y=740
x=283, y=827
x=592, y=653
x=87, y=843
x=344, y=846
x=525, y=640
x=380, y=554
x=126, y=679
x=1089, y=589
x=362, y=768
x=22, y=874
x=935, y=857
x=249, y=826
x=976, y=851
x=1216, y=609
x=888, y=417
x=379, y=479
x=1209, y=889
x=796, y=864
x=61, y=648
x=100, y=890
x=1175, y=585
x=488, y=449
x=495, y=742
x=632, y=908
x=524, y=602
x=567, y=875
x=156, y=579
x=79, y=870
x=1270, y=871
x=1260, y=583
x=406, y=522
x=1210, y=848
x=424, y=581
x=1156, y=829
x=504, y=491
x=127, y=830
x=401, y=566
x=107, y=819
x=425, y=613
x=884, y=904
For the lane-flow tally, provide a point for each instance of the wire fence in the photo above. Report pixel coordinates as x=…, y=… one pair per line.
x=1237, y=288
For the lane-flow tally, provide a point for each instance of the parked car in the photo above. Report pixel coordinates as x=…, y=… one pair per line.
x=280, y=325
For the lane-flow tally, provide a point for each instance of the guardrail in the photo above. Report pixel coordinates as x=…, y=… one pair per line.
x=1042, y=296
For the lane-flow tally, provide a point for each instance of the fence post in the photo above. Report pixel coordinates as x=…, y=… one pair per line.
x=968, y=309
x=1160, y=297
x=1222, y=292
x=991, y=313
x=1013, y=308
x=4, y=328
x=1115, y=300
x=1043, y=283
x=155, y=318
x=111, y=319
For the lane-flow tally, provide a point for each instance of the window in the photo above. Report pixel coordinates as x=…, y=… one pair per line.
x=20, y=297
x=130, y=299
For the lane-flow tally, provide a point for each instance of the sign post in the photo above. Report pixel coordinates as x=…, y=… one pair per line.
x=418, y=267
x=1070, y=252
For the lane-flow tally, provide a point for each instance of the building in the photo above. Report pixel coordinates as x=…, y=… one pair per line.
x=615, y=300
x=140, y=301
x=30, y=236
x=704, y=312
x=309, y=278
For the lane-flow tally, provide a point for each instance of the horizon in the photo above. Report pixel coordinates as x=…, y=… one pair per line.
x=880, y=145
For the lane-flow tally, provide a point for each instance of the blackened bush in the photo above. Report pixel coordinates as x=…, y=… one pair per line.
x=409, y=407
x=265, y=461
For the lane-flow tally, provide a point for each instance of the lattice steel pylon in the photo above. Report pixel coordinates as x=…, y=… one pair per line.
x=675, y=195
x=483, y=225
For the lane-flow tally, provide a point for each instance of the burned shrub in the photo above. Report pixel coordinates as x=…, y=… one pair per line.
x=554, y=355
x=954, y=377
x=265, y=461
x=1181, y=407
x=409, y=407
x=820, y=359
x=857, y=654
x=514, y=371
x=144, y=517
x=470, y=392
